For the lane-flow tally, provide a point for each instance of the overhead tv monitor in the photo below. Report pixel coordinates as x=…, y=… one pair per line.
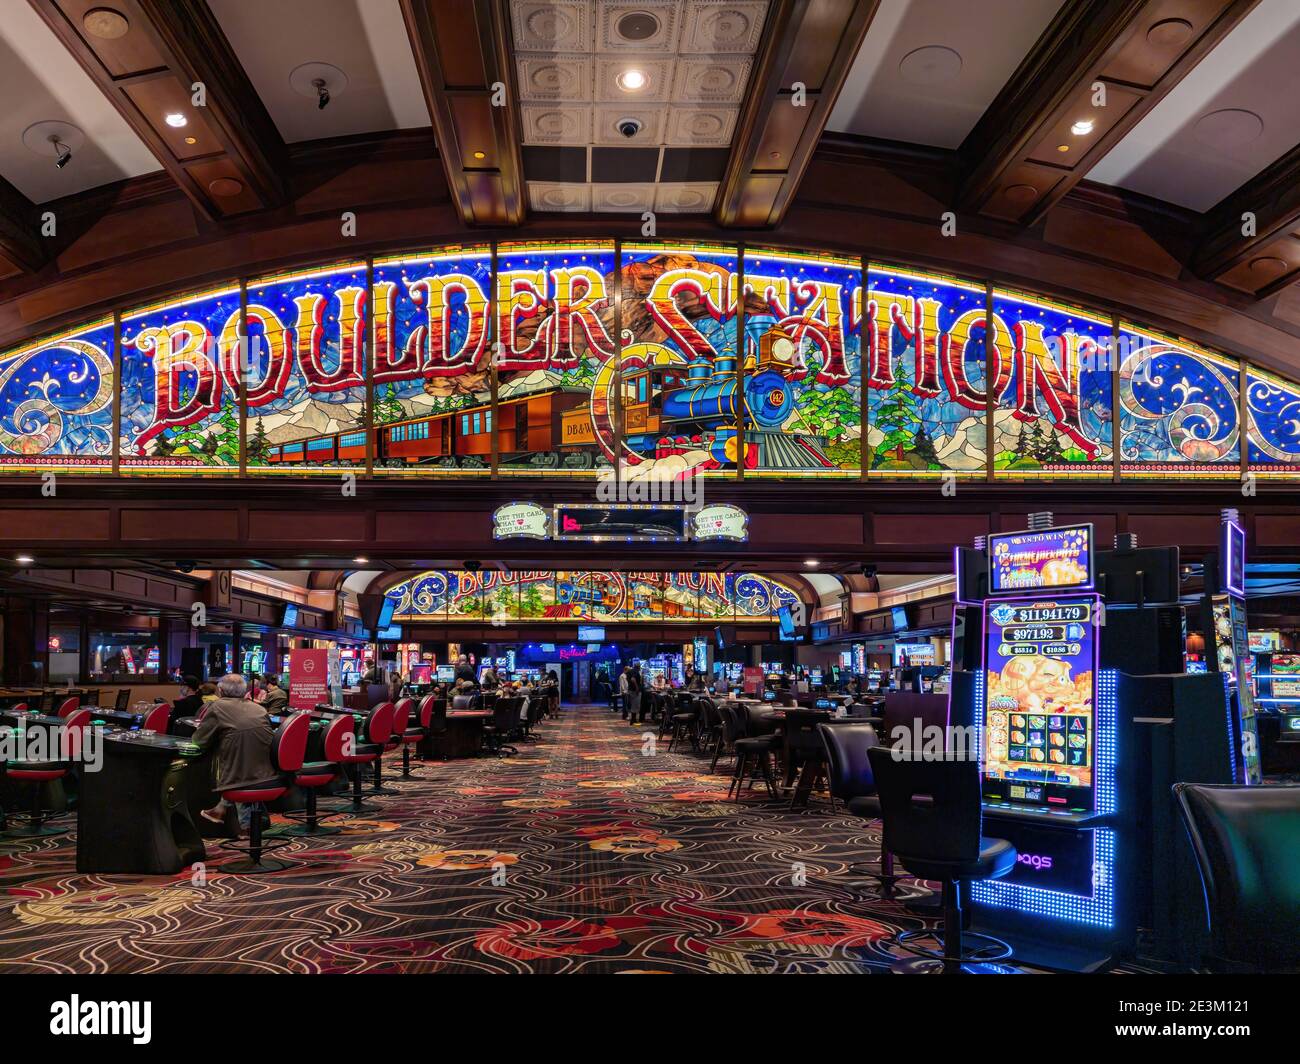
x=898, y=614
x=590, y=633
x=386, y=613
x=593, y=648
x=769, y=696
x=1060, y=558
x=785, y=618
x=391, y=634
x=290, y=615
x=719, y=638
x=446, y=673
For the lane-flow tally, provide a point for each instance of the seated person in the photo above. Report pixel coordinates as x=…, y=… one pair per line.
x=208, y=692
x=190, y=700
x=276, y=700
x=242, y=735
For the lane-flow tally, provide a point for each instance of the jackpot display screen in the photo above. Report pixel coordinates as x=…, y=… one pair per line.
x=1021, y=562
x=1040, y=659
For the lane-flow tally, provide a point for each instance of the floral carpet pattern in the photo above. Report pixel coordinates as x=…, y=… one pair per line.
x=595, y=850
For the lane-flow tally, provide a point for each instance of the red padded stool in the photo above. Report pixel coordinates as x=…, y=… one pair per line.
x=379, y=726
x=158, y=719
x=287, y=752
x=416, y=725
x=69, y=706
x=37, y=773
x=401, y=715
x=316, y=774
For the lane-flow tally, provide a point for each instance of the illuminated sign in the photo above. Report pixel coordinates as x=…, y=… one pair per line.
x=1056, y=558
x=720, y=521
x=523, y=520
x=1233, y=559
x=1040, y=661
x=630, y=523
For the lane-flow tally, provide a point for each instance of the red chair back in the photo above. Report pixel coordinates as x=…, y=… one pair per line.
x=426, y=710
x=379, y=726
x=21, y=707
x=336, y=735
x=289, y=748
x=69, y=706
x=157, y=719
x=402, y=715
x=76, y=723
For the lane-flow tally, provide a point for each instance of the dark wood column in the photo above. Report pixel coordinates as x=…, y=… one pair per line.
x=26, y=641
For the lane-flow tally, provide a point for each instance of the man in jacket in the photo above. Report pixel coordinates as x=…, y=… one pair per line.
x=277, y=698
x=242, y=735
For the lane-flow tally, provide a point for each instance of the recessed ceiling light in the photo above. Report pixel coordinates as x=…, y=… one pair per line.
x=175, y=119
x=1062, y=147
x=191, y=140
x=360, y=560
x=812, y=563
x=1082, y=127
x=930, y=65
x=480, y=155
x=631, y=80
x=24, y=559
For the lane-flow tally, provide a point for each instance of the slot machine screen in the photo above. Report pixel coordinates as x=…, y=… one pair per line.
x=1058, y=558
x=1040, y=670
x=446, y=673
x=815, y=676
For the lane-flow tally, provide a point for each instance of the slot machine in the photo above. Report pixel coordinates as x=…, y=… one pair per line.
x=1068, y=668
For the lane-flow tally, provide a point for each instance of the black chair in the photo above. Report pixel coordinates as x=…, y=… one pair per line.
x=804, y=750
x=759, y=742
x=501, y=727
x=123, y=699
x=933, y=821
x=685, y=721
x=1247, y=846
x=852, y=782
x=730, y=731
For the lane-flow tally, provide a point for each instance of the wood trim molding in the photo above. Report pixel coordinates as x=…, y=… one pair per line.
x=808, y=49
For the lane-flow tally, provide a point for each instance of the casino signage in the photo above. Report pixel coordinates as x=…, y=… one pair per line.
x=783, y=364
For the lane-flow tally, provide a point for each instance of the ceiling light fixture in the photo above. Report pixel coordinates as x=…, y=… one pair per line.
x=1062, y=147
x=631, y=80
x=480, y=155
x=1082, y=127
x=62, y=153
x=191, y=140
x=812, y=563
x=24, y=559
x=176, y=120
x=361, y=560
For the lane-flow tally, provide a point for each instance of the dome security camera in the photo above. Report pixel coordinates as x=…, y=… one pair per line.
x=473, y=566
x=629, y=127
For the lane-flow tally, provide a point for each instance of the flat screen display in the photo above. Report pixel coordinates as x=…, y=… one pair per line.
x=290, y=615
x=1056, y=558
x=899, y=616
x=386, y=613
x=1040, y=670
x=1284, y=669
x=1234, y=559
x=391, y=634
x=446, y=673
x=785, y=618
x=588, y=633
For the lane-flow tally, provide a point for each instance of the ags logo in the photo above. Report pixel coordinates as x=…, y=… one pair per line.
x=1034, y=861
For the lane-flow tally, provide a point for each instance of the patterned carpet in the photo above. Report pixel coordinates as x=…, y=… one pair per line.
x=592, y=851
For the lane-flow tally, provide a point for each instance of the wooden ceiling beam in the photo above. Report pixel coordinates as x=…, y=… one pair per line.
x=1023, y=156
x=807, y=51
x=463, y=54
x=1251, y=240
x=20, y=246
x=146, y=56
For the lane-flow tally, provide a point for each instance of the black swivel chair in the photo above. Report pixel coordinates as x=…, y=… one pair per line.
x=501, y=727
x=759, y=741
x=1247, y=846
x=852, y=782
x=933, y=822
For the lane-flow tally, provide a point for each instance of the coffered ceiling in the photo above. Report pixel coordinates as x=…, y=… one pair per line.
x=630, y=105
